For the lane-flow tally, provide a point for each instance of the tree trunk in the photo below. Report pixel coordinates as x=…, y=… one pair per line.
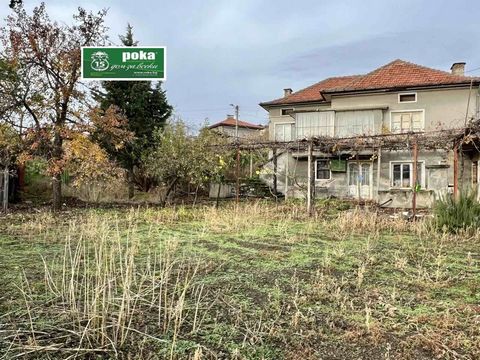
x=130, y=182
x=217, y=202
x=196, y=195
x=57, y=178
x=57, y=191
x=163, y=202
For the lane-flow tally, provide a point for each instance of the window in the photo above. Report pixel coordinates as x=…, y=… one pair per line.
x=362, y=176
x=407, y=98
x=314, y=124
x=357, y=122
x=408, y=121
x=286, y=112
x=284, y=131
x=322, y=169
x=402, y=174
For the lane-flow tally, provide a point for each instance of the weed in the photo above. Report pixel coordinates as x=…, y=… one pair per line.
x=462, y=213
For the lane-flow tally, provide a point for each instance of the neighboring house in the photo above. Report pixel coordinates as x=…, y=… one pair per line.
x=395, y=98
x=246, y=130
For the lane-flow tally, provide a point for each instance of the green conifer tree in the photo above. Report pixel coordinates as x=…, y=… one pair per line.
x=146, y=107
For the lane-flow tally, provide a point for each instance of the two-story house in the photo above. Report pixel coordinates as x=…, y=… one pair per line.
x=398, y=97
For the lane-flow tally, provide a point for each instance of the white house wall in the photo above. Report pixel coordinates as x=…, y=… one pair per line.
x=443, y=108
x=438, y=173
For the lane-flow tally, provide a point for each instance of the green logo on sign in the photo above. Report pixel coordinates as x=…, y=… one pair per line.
x=123, y=63
x=99, y=61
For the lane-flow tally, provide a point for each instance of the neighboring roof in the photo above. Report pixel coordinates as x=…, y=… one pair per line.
x=241, y=124
x=394, y=75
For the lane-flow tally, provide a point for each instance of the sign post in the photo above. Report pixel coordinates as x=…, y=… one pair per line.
x=129, y=63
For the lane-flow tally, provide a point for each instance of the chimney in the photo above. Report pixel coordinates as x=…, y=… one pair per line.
x=458, y=68
x=287, y=92
x=230, y=116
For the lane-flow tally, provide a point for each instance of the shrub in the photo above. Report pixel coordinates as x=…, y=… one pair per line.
x=458, y=214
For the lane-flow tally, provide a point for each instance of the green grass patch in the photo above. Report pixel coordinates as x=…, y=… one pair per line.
x=258, y=282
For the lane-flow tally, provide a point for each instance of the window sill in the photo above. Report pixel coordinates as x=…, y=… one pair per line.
x=322, y=182
x=407, y=132
x=403, y=190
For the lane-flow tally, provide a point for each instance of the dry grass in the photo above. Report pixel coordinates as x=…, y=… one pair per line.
x=106, y=294
x=257, y=281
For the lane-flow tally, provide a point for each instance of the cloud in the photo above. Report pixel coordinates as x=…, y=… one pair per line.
x=247, y=51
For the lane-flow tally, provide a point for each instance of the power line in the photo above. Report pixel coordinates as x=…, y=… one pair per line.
x=475, y=69
x=203, y=110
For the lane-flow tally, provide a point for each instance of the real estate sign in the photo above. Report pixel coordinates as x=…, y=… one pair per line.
x=123, y=63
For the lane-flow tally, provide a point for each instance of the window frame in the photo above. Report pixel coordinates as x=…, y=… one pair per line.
x=422, y=111
x=421, y=179
x=407, y=93
x=329, y=169
x=360, y=162
x=329, y=127
x=292, y=123
x=282, y=109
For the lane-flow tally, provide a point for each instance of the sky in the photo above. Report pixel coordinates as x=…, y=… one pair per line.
x=244, y=52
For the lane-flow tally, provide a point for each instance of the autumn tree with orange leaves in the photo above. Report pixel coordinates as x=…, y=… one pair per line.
x=44, y=96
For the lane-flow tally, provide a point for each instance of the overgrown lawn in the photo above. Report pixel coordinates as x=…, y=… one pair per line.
x=261, y=281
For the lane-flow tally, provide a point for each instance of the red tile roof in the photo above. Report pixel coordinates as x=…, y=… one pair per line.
x=241, y=124
x=394, y=75
x=314, y=92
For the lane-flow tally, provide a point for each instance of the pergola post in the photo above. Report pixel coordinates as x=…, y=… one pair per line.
x=415, y=177
x=379, y=165
x=251, y=164
x=310, y=181
x=359, y=180
x=455, y=171
x=286, y=176
x=237, y=175
x=275, y=169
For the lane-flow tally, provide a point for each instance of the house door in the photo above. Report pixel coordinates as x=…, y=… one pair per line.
x=360, y=179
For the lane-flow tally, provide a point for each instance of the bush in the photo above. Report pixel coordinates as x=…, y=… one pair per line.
x=462, y=213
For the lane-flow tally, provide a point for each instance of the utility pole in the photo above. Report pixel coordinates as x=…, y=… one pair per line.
x=236, y=122
x=236, y=107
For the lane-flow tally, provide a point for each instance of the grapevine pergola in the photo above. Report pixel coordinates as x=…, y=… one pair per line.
x=455, y=139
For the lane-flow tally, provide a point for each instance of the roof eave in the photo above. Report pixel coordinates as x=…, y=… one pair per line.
x=214, y=126
x=401, y=88
x=308, y=102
